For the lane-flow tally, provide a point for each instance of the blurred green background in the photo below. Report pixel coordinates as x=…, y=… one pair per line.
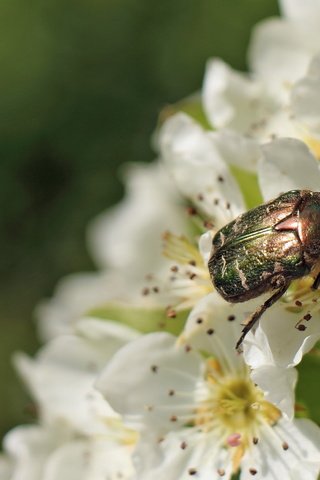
x=82, y=83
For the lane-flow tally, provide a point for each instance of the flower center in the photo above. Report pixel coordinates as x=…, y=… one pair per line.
x=188, y=280
x=236, y=402
x=234, y=408
x=238, y=405
x=314, y=145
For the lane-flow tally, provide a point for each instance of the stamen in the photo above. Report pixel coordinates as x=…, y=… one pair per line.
x=191, y=280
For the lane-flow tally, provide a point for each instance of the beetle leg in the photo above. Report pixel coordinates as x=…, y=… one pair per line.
x=257, y=314
x=316, y=282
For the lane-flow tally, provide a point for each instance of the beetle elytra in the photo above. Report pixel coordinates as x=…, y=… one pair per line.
x=265, y=249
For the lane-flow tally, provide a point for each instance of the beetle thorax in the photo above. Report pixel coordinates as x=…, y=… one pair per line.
x=309, y=227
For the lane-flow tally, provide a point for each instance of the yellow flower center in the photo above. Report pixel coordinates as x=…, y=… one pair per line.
x=314, y=145
x=189, y=279
x=235, y=408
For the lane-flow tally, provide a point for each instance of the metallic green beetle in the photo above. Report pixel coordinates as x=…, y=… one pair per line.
x=265, y=249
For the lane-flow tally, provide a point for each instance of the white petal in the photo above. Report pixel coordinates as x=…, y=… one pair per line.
x=230, y=98
x=305, y=12
x=202, y=454
x=138, y=380
x=299, y=459
x=61, y=378
x=237, y=149
x=29, y=447
x=214, y=326
x=110, y=336
x=128, y=236
x=278, y=385
x=74, y=296
x=198, y=169
x=205, y=246
x=303, y=437
x=276, y=341
x=287, y=164
x=280, y=53
x=305, y=98
x=6, y=468
x=90, y=460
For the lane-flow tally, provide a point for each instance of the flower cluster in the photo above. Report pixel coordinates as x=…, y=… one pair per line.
x=139, y=377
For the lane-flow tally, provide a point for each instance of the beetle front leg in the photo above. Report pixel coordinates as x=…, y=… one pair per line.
x=257, y=314
x=316, y=282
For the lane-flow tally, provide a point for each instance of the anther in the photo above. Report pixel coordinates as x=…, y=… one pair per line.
x=191, y=211
x=171, y=313
x=301, y=327
x=208, y=225
x=192, y=471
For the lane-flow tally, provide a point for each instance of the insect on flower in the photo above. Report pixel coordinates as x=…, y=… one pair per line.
x=265, y=249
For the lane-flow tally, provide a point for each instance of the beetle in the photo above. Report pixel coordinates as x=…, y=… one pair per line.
x=266, y=248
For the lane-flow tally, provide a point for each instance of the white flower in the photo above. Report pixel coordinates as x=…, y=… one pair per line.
x=28, y=448
x=283, y=164
x=126, y=243
x=305, y=99
x=37, y=453
x=278, y=97
x=199, y=170
x=127, y=237
x=95, y=459
x=62, y=375
x=240, y=106
x=197, y=410
x=281, y=49
x=79, y=436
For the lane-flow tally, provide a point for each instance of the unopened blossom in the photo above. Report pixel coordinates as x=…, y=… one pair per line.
x=197, y=410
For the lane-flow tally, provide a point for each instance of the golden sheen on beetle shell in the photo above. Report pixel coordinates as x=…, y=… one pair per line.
x=265, y=249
